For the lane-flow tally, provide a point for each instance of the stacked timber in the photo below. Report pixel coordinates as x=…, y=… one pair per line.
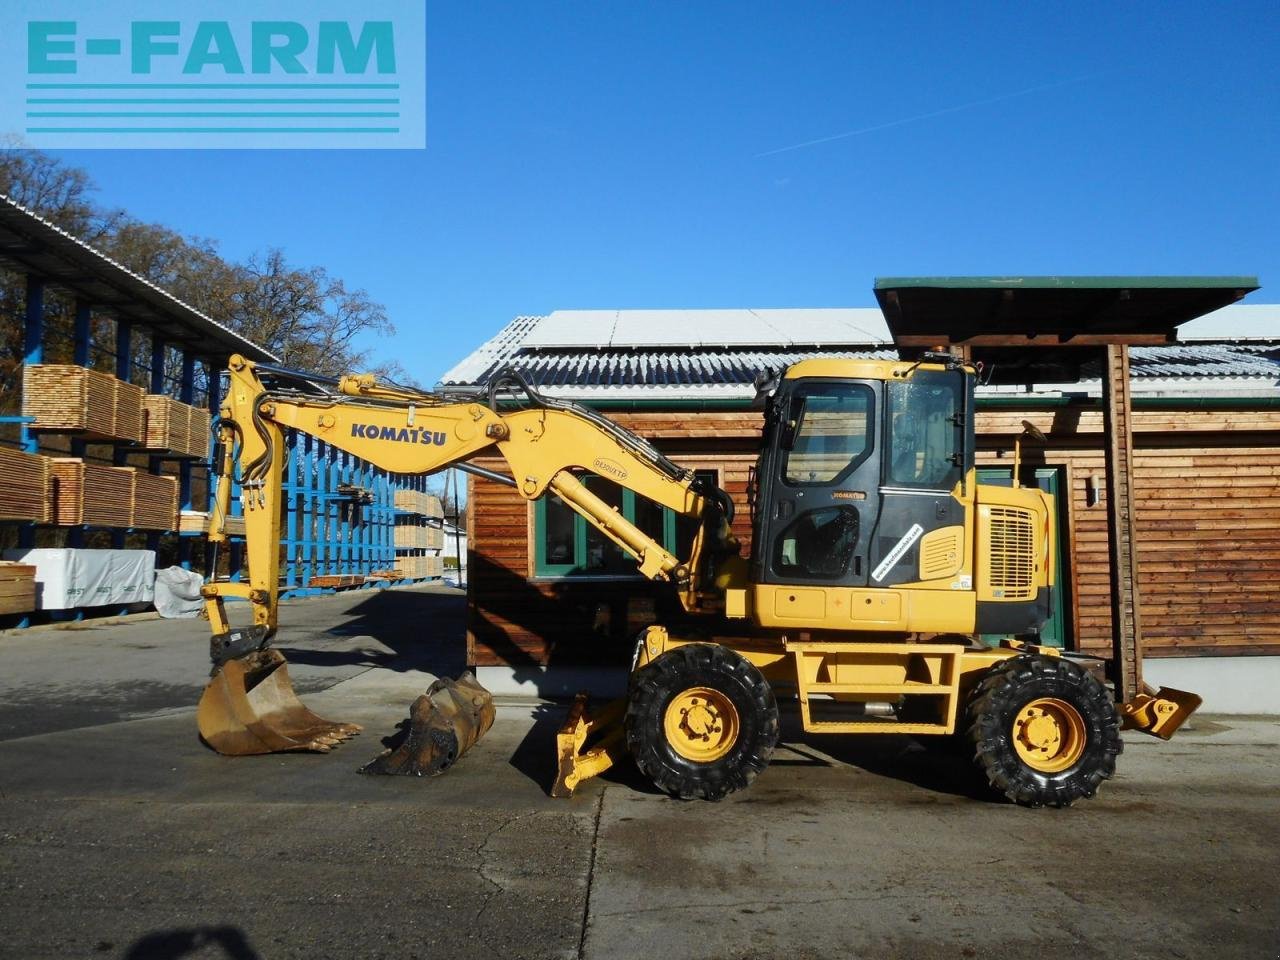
x=419, y=568
x=17, y=588
x=128, y=411
x=68, y=397
x=197, y=521
x=410, y=536
x=155, y=501
x=415, y=501
x=24, y=486
x=89, y=494
x=336, y=581
x=174, y=426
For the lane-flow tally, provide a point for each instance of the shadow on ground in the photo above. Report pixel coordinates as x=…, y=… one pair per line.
x=211, y=942
x=417, y=630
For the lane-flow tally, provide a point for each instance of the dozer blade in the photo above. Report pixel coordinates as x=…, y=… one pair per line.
x=444, y=723
x=249, y=707
x=1158, y=712
x=574, y=764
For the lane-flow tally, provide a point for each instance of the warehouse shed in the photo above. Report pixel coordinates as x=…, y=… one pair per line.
x=548, y=599
x=105, y=437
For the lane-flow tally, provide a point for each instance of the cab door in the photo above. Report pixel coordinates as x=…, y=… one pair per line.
x=920, y=532
x=818, y=481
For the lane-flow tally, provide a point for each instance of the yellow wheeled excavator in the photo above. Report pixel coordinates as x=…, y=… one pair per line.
x=877, y=560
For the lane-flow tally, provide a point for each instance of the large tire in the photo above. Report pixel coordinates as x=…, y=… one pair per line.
x=1043, y=730
x=701, y=721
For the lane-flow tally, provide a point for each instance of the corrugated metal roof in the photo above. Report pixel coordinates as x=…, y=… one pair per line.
x=710, y=328
x=696, y=371
x=1239, y=323
x=33, y=245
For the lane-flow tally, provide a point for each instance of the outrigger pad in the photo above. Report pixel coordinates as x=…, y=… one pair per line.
x=249, y=707
x=444, y=723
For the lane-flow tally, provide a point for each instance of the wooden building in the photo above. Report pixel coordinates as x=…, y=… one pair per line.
x=547, y=592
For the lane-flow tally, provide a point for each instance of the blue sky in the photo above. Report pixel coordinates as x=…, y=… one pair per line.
x=585, y=155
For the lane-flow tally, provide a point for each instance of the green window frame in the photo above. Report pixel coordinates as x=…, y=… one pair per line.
x=574, y=555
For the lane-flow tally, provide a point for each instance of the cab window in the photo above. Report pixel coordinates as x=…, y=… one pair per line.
x=827, y=432
x=925, y=431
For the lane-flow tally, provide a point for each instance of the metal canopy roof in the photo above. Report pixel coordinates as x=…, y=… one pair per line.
x=33, y=245
x=925, y=312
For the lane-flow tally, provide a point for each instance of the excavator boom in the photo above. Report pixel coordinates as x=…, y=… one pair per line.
x=249, y=705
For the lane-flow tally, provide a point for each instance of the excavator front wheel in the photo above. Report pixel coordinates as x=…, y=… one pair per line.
x=1044, y=731
x=701, y=721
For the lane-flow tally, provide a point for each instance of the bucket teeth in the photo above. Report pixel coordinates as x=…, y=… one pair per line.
x=249, y=707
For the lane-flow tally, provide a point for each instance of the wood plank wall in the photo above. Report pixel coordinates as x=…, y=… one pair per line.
x=1208, y=494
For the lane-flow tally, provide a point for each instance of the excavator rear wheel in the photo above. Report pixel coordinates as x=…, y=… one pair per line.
x=701, y=721
x=1044, y=731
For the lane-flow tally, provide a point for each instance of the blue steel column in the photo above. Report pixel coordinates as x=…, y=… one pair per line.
x=215, y=406
x=32, y=353
x=80, y=355
x=306, y=510
x=292, y=494
x=186, y=393
x=124, y=366
x=155, y=465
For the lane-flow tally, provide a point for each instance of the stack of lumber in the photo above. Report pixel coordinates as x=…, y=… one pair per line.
x=128, y=406
x=17, y=588
x=414, y=537
x=196, y=521
x=336, y=581
x=415, y=501
x=418, y=568
x=86, y=493
x=155, y=501
x=24, y=486
x=68, y=397
x=174, y=426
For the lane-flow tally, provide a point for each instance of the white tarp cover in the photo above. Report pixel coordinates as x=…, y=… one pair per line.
x=90, y=578
x=178, y=593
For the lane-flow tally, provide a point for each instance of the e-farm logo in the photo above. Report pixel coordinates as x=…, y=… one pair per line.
x=204, y=73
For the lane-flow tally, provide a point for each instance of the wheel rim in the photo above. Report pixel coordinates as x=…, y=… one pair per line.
x=1049, y=735
x=701, y=724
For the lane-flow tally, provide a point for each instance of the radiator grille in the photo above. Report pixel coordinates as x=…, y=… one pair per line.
x=1012, y=552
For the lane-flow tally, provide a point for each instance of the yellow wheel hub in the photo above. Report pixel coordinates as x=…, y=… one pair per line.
x=1049, y=735
x=701, y=724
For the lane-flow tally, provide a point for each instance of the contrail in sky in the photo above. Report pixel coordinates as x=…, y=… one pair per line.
x=927, y=116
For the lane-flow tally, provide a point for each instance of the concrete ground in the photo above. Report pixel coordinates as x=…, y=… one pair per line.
x=122, y=837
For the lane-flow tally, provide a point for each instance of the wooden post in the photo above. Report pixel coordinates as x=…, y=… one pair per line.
x=1126, y=622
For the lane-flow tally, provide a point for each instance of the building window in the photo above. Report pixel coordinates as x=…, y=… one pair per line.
x=565, y=545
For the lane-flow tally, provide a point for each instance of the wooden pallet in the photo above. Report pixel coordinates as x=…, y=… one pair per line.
x=69, y=398
x=336, y=581
x=24, y=486
x=385, y=575
x=89, y=494
x=155, y=501
x=17, y=588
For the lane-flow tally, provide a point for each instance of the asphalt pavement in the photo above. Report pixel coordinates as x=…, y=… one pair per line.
x=121, y=836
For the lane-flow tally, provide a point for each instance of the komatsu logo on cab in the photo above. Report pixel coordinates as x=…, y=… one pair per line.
x=371, y=431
